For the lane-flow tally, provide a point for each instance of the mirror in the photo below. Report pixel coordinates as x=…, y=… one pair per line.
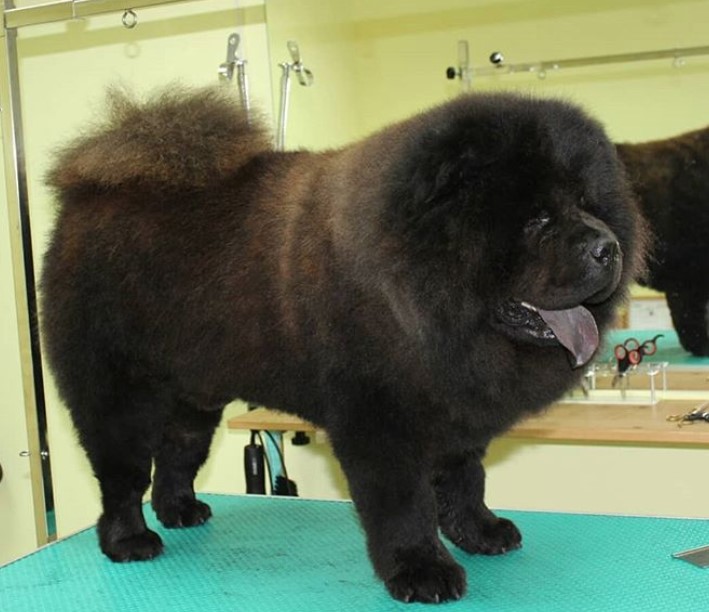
x=64, y=69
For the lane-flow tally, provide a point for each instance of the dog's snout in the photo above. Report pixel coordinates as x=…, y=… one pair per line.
x=605, y=250
x=598, y=245
x=604, y=258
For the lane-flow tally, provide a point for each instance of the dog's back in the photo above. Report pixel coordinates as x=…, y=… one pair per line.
x=164, y=262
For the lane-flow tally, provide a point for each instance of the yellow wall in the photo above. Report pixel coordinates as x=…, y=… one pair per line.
x=392, y=56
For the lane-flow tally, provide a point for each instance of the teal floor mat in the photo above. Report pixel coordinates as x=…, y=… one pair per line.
x=264, y=554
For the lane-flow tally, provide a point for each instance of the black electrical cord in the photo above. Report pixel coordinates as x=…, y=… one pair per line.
x=290, y=489
x=265, y=455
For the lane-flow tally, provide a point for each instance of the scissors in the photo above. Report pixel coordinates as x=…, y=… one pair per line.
x=700, y=413
x=631, y=353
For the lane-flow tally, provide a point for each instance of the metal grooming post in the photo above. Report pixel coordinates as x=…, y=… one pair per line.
x=25, y=289
x=233, y=61
x=273, y=441
x=543, y=68
x=305, y=78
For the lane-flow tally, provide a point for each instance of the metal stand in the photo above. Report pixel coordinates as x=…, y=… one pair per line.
x=465, y=72
x=652, y=374
x=25, y=287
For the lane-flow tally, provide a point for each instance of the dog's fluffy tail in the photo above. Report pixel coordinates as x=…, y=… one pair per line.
x=176, y=140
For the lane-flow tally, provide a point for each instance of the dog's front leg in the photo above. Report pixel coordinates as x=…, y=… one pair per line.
x=390, y=485
x=464, y=517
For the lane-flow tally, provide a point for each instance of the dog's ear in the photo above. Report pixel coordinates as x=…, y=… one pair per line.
x=434, y=189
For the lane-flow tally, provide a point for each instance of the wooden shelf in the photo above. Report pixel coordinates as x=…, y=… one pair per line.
x=636, y=423
x=577, y=422
x=264, y=419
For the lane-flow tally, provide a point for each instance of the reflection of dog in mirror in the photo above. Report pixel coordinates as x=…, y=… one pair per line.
x=671, y=179
x=414, y=294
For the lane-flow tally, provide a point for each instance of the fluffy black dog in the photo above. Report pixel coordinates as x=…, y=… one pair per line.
x=414, y=294
x=671, y=179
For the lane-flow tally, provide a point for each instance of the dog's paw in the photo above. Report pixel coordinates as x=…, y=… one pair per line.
x=182, y=512
x=428, y=581
x=491, y=537
x=136, y=547
x=498, y=537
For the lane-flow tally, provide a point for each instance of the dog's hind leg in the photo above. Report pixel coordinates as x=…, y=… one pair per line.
x=462, y=514
x=119, y=427
x=183, y=449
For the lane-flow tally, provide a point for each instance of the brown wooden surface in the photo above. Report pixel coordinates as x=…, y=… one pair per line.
x=271, y=420
x=616, y=423
x=579, y=422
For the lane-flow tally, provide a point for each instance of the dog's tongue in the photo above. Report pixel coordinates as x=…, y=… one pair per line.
x=576, y=330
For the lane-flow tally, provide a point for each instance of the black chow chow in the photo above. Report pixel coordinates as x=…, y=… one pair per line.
x=671, y=180
x=414, y=294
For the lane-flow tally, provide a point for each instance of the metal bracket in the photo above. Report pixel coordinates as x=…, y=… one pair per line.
x=305, y=78
x=463, y=71
x=226, y=70
x=233, y=61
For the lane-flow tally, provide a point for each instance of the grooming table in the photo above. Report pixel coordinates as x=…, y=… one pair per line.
x=266, y=554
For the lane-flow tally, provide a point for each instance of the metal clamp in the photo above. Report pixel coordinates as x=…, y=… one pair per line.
x=305, y=78
x=234, y=62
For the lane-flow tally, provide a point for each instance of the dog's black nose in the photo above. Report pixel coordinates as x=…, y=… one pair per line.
x=605, y=250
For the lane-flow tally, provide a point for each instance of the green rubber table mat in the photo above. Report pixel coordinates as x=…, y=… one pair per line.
x=289, y=555
x=668, y=348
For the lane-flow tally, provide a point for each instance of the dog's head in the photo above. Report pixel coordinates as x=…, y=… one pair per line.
x=524, y=213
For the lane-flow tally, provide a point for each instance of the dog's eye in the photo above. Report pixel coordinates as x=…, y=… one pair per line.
x=543, y=218
x=540, y=220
